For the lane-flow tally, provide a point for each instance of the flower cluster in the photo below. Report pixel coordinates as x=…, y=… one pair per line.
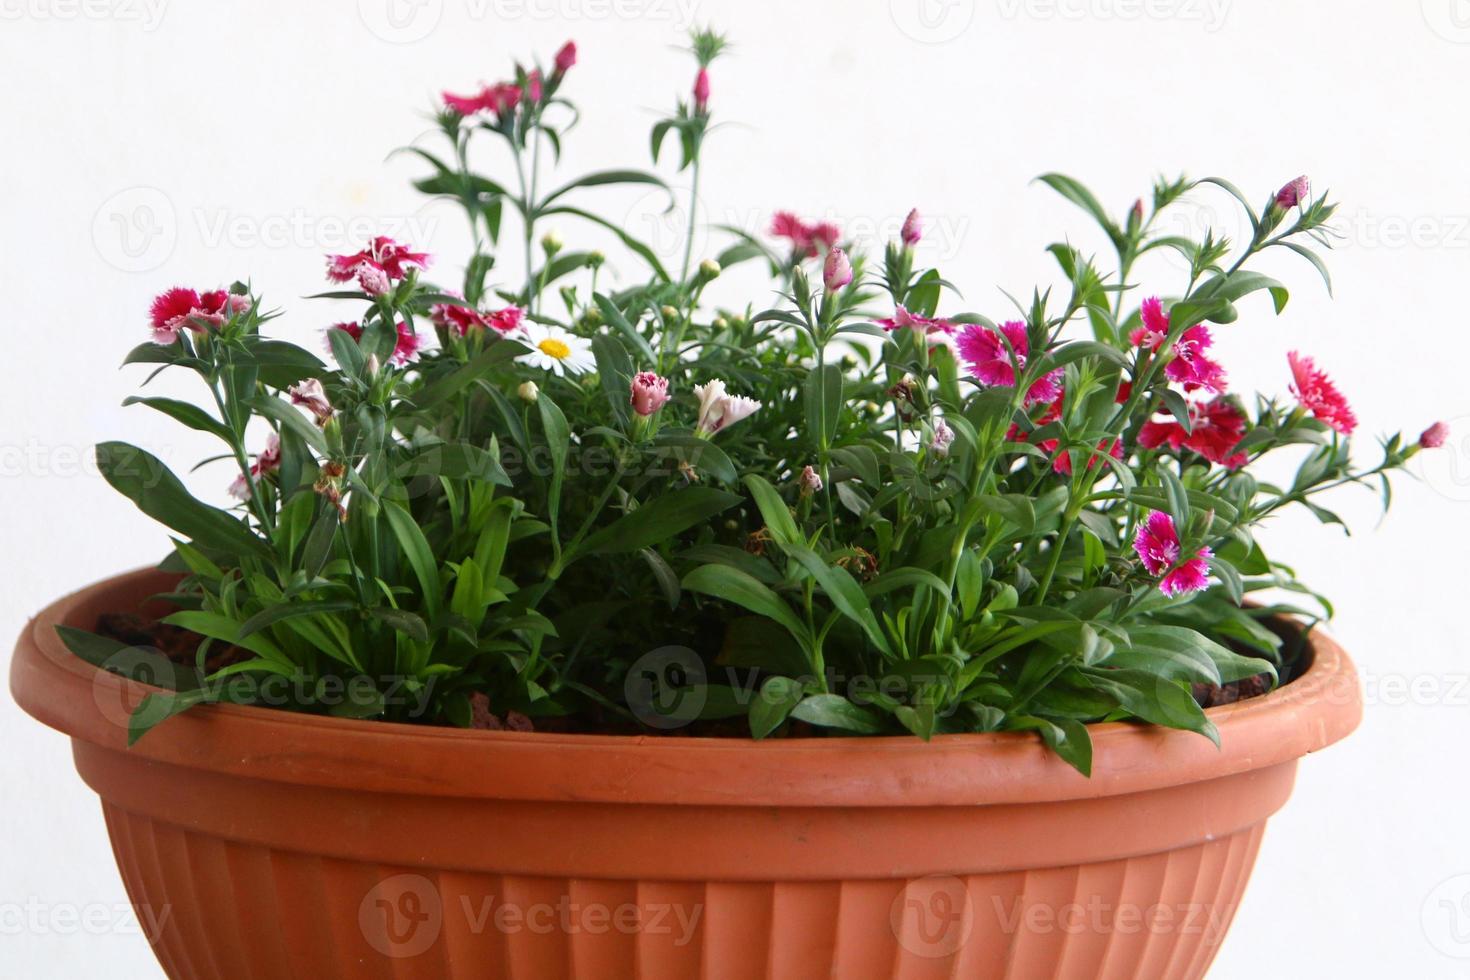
x=865, y=509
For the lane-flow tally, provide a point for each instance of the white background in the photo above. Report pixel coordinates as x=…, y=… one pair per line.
x=195, y=143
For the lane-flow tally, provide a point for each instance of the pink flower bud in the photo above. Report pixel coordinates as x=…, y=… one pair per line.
x=309, y=395
x=1137, y=213
x=533, y=85
x=649, y=393
x=1434, y=436
x=913, y=228
x=1294, y=193
x=566, y=57
x=811, y=481
x=701, y=91
x=943, y=436
x=836, y=271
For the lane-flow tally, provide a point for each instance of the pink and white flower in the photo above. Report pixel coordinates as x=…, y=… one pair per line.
x=405, y=349
x=941, y=440
x=1294, y=193
x=1434, y=436
x=836, y=270
x=1157, y=545
x=807, y=238
x=984, y=351
x=810, y=481
x=1319, y=395
x=507, y=320
x=913, y=228
x=649, y=393
x=1189, y=366
x=310, y=395
x=376, y=267
x=719, y=409
x=181, y=308
x=902, y=319
x=267, y=462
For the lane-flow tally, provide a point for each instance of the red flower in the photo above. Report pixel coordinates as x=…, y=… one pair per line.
x=1158, y=547
x=179, y=308
x=1215, y=429
x=1319, y=395
x=1189, y=366
x=460, y=319
x=507, y=320
x=406, y=348
x=701, y=92
x=983, y=351
x=495, y=99
x=807, y=240
x=566, y=57
x=376, y=267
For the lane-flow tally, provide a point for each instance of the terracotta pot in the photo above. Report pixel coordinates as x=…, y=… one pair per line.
x=270, y=845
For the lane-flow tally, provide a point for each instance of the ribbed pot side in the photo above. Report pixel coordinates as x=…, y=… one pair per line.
x=261, y=844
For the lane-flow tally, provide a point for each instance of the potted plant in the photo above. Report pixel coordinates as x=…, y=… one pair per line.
x=572, y=626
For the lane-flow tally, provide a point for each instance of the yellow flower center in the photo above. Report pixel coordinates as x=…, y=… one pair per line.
x=554, y=348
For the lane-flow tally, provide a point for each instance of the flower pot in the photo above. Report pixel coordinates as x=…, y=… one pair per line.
x=272, y=845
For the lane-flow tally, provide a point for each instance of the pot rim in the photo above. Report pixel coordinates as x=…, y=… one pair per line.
x=1319, y=707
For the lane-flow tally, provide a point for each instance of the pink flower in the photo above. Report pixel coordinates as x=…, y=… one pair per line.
x=985, y=353
x=1157, y=544
x=701, y=92
x=649, y=393
x=383, y=262
x=268, y=461
x=1189, y=366
x=464, y=105
x=179, y=308
x=806, y=239
x=837, y=270
x=406, y=348
x=943, y=436
x=810, y=481
x=1319, y=395
x=1155, y=329
x=496, y=99
x=913, y=229
x=309, y=395
x=566, y=57
x=1215, y=429
x=507, y=320
x=1063, y=463
x=533, y=85
x=1294, y=193
x=718, y=409
x=902, y=319
x=1434, y=436
x=460, y=319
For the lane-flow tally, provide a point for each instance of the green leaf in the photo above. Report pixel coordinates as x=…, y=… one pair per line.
x=614, y=316
x=144, y=480
x=226, y=630
x=835, y=711
x=416, y=549
x=773, y=511
x=744, y=590
x=839, y=586
x=601, y=178
x=777, y=698
x=191, y=415
x=142, y=664
x=446, y=387
x=155, y=709
x=285, y=610
x=407, y=623
x=1079, y=195
x=660, y=519
x=1153, y=699
x=824, y=403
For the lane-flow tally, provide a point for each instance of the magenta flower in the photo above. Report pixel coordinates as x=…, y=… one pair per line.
x=533, y=85
x=1190, y=367
x=181, y=308
x=1319, y=395
x=309, y=395
x=1434, y=436
x=494, y=99
x=1155, y=329
x=405, y=349
x=1157, y=544
x=807, y=239
x=902, y=319
x=566, y=57
x=1215, y=429
x=701, y=92
x=649, y=393
x=984, y=352
x=376, y=267
x=267, y=462
x=837, y=270
x=460, y=319
x=506, y=320
x=913, y=229
x=1294, y=193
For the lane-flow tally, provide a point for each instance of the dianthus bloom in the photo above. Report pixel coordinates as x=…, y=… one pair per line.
x=495, y=99
x=1157, y=544
x=310, y=395
x=566, y=57
x=1319, y=395
x=179, y=308
x=1434, y=436
x=1294, y=193
x=810, y=481
x=376, y=267
x=648, y=393
x=913, y=228
x=718, y=408
x=268, y=461
x=807, y=239
x=1062, y=462
x=942, y=439
x=701, y=92
x=984, y=352
x=1215, y=427
x=1189, y=366
x=902, y=319
x=460, y=319
x=405, y=349
x=836, y=270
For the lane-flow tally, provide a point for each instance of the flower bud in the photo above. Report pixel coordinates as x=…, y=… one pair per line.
x=913, y=229
x=566, y=57
x=701, y=92
x=373, y=365
x=528, y=391
x=668, y=312
x=1294, y=193
x=1434, y=436
x=709, y=269
x=837, y=270
x=649, y=393
x=551, y=243
x=811, y=481
x=943, y=436
x=595, y=258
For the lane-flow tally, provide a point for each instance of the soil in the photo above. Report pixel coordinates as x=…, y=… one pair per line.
x=181, y=646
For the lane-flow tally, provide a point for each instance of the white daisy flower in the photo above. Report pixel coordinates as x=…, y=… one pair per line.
x=557, y=351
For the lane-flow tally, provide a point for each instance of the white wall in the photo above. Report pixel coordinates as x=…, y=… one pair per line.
x=234, y=140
